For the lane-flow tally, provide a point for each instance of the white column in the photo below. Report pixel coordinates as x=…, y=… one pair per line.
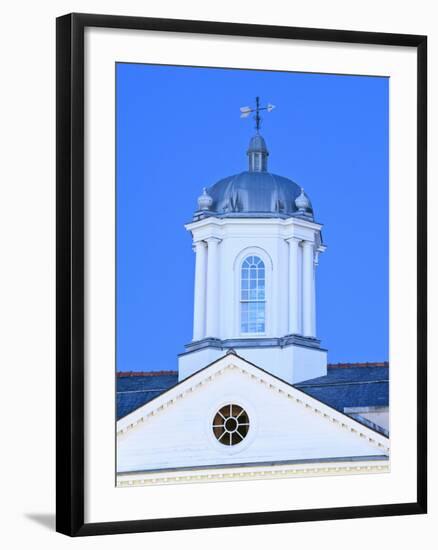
x=315, y=265
x=308, y=289
x=293, y=286
x=200, y=286
x=212, y=321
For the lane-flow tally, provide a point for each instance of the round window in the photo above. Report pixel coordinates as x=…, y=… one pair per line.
x=230, y=424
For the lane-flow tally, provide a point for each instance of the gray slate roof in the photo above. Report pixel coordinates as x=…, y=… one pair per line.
x=342, y=387
x=350, y=387
x=135, y=391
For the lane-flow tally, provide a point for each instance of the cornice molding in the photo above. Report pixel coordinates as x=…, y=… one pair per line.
x=243, y=473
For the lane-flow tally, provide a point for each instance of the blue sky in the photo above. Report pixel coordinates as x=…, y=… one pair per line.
x=178, y=130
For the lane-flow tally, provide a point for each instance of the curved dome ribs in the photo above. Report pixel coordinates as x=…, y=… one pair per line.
x=255, y=192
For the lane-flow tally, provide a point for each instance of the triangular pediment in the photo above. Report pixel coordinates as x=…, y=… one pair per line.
x=246, y=374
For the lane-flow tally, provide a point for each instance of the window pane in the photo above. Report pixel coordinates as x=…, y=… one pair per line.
x=252, y=295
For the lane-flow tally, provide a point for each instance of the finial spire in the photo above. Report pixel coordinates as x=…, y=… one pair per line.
x=205, y=200
x=257, y=151
x=302, y=202
x=258, y=118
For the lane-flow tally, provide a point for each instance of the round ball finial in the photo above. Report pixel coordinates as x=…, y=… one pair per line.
x=302, y=202
x=204, y=200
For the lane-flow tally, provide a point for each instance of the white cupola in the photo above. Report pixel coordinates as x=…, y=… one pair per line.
x=256, y=244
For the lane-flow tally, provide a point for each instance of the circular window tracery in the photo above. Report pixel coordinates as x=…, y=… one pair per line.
x=230, y=424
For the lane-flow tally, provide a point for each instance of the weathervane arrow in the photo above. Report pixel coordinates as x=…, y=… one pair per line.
x=246, y=111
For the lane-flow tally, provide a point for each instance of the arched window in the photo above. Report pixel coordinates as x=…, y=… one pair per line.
x=252, y=296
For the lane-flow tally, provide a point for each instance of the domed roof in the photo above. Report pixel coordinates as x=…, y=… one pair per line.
x=257, y=145
x=256, y=192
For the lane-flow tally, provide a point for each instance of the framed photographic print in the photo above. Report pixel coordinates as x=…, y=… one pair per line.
x=241, y=274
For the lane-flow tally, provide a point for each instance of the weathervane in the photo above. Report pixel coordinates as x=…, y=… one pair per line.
x=246, y=111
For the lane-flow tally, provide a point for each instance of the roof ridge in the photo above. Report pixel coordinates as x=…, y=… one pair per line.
x=147, y=373
x=175, y=372
x=358, y=365
x=310, y=384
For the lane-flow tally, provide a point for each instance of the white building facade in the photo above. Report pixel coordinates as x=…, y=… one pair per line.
x=235, y=412
x=176, y=437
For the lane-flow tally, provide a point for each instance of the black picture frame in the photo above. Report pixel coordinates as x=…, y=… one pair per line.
x=70, y=273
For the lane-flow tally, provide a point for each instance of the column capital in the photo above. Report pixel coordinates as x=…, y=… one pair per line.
x=197, y=245
x=293, y=240
x=213, y=239
x=307, y=244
